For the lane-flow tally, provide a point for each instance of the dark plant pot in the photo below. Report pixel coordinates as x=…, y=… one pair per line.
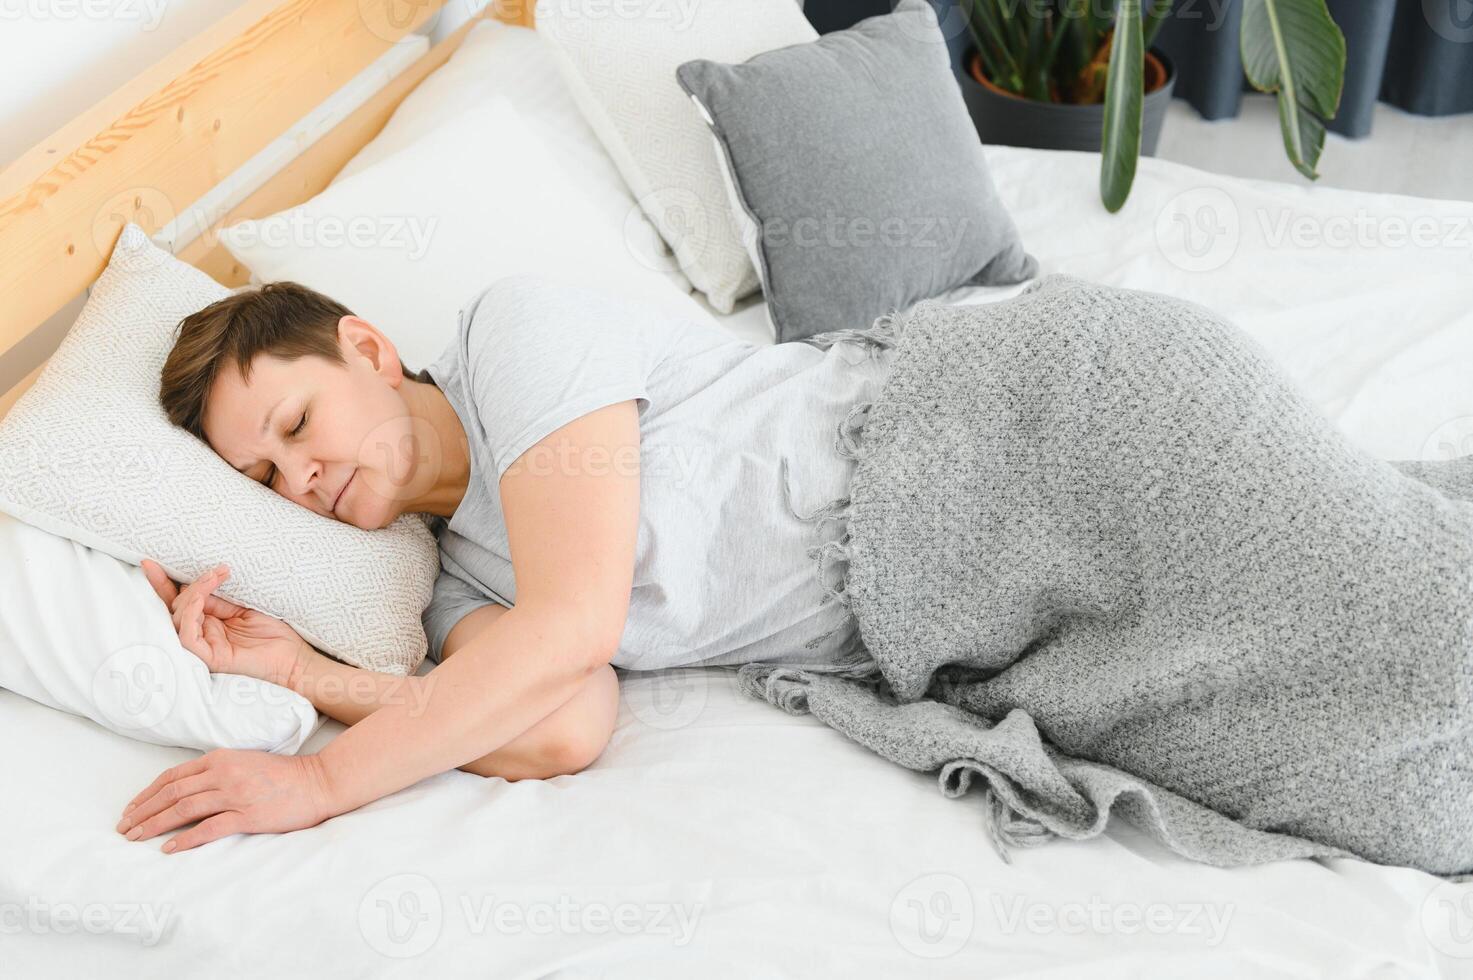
x=1001, y=117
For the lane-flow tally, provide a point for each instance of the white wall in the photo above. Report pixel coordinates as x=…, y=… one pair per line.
x=59, y=57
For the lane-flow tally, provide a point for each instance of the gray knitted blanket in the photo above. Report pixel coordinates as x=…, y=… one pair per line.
x=1105, y=556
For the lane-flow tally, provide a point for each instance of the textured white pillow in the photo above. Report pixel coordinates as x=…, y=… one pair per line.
x=85, y=633
x=619, y=60
x=404, y=243
x=497, y=60
x=90, y=455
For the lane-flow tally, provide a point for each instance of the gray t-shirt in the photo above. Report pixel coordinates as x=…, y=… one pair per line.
x=723, y=573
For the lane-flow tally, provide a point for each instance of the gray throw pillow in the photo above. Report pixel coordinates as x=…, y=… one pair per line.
x=863, y=182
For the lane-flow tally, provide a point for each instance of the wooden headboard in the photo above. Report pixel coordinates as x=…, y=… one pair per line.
x=160, y=142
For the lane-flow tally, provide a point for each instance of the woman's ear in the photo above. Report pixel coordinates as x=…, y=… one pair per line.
x=358, y=335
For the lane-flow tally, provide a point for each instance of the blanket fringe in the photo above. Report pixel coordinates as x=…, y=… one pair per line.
x=884, y=333
x=1007, y=827
x=785, y=687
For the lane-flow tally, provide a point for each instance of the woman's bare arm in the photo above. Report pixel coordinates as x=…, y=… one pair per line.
x=571, y=505
x=567, y=741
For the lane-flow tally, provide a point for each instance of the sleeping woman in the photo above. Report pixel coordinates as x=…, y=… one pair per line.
x=607, y=487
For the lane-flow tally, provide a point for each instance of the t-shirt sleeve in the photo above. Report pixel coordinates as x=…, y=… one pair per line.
x=541, y=353
x=451, y=601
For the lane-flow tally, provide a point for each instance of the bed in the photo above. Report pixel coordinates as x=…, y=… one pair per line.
x=717, y=836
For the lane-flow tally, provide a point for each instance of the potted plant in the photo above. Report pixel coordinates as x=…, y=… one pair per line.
x=1079, y=74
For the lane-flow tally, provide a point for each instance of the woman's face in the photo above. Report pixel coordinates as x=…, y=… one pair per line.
x=337, y=439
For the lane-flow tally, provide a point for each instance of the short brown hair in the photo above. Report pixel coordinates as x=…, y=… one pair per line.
x=283, y=319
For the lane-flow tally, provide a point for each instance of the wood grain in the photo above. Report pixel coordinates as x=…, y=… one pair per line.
x=160, y=142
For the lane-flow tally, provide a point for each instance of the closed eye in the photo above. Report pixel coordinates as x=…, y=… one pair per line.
x=271, y=472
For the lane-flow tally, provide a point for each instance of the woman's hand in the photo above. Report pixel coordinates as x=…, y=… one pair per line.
x=230, y=639
x=231, y=791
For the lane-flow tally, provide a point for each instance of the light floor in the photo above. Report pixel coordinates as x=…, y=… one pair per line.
x=1405, y=154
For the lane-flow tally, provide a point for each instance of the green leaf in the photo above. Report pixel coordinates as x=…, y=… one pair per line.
x=1035, y=80
x=1160, y=10
x=1064, y=26
x=1294, y=48
x=1120, y=146
x=987, y=17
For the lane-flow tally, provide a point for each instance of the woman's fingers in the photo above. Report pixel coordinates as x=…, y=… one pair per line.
x=168, y=589
x=164, y=797
x=221, y=607
x=180, y=771
x=217, y=605
x=203, y=585
x=197, y=806
x=221, y=825
x=191, y=630
x=161, y=582
x=217, y=641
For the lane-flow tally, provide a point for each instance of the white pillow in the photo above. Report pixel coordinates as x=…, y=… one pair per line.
x=90, y=455
x=85, y=633
x=619, y=61
x=406, y=243
x=502, y=60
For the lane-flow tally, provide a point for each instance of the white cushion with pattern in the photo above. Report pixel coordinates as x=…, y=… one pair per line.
x=89, y=455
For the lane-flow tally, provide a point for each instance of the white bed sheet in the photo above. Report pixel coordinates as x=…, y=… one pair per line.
x=719, y=837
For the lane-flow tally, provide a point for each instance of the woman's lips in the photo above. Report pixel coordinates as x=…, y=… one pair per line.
x=341, y=492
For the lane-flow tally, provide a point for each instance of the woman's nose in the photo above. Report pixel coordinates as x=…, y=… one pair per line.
x=306, y=473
